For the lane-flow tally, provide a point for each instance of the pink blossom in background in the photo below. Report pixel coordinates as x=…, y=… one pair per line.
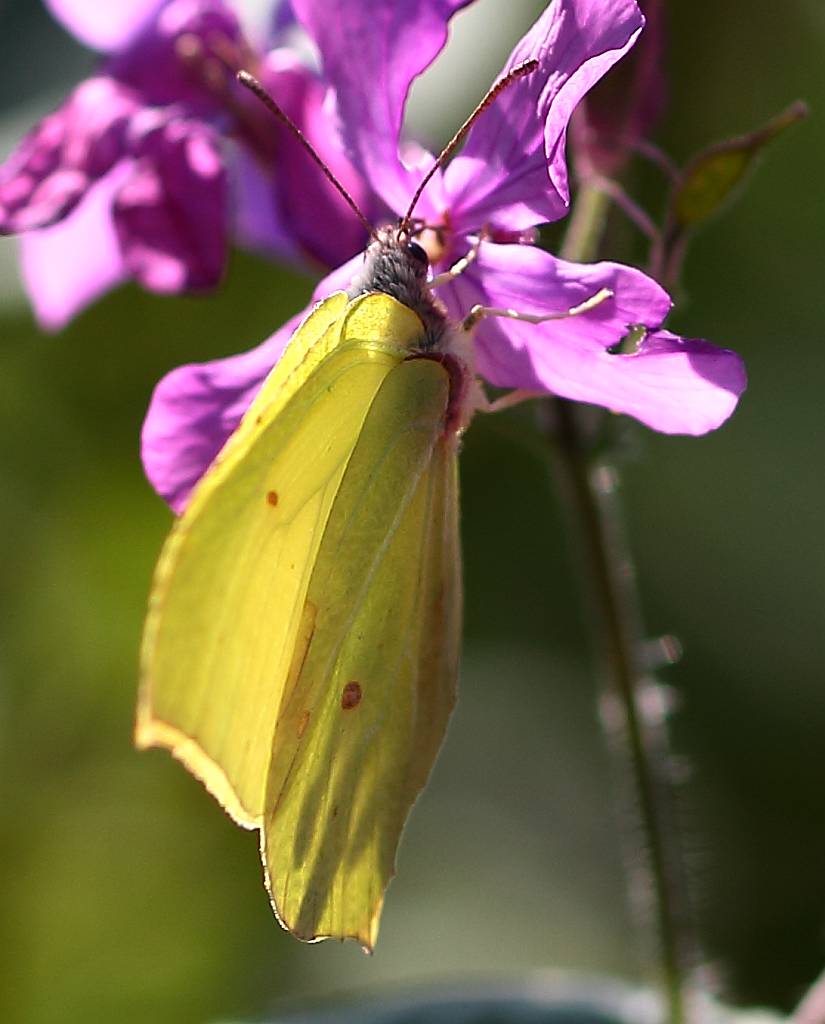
x=166, y=159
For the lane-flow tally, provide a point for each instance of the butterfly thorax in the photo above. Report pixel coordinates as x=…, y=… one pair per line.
x=398, y=266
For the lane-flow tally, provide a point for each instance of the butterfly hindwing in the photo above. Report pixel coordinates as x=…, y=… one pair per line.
x=373, y=678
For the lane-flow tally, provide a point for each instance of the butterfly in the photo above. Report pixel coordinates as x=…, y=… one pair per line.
x=301, y=648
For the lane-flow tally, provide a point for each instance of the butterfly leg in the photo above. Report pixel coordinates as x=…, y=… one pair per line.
x=515, y=397
x=458, y=268
x=478, y=313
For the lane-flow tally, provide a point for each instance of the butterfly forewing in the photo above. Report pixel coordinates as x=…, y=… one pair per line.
x=228, y=596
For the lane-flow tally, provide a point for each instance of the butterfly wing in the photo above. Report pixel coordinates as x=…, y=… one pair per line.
x=373, y=677
x=228, y=594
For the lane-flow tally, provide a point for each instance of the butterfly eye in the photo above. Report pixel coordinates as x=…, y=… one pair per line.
x=417, y=253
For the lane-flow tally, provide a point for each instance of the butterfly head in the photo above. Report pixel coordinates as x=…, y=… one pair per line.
x=397, y=265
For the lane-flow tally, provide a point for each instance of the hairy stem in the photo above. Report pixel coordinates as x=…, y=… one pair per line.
x=632, y=713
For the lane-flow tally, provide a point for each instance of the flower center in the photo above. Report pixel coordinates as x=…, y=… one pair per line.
x=435, y=239
x=433, y=242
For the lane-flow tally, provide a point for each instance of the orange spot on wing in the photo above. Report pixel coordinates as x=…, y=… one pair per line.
x=351, y=696
x=272, y=498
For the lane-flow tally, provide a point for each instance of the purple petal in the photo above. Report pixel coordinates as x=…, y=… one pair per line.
x=311, y=208
x=67, y=266
x=681, y=385
x=193, y=411
x=533, y=281
x=512, y=170
x=282, y=20
x=338, y=280
x=257, y=220
x=623, y=108
x=672, y=384
x=104, y=26
x=195, y=408
x=187, y=54
x=52, y=168
x=371, y=51
x=171, y=215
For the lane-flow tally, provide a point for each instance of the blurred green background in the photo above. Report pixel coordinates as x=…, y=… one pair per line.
x=127, y=895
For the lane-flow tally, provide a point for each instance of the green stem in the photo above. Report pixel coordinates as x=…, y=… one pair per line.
x=586, y=225
x=637, y=737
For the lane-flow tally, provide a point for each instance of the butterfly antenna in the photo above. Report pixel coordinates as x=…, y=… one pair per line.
x=495, y=91
x=255, y=87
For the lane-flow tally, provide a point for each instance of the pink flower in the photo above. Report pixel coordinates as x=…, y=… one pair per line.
x=149, y=169
x=510, y=177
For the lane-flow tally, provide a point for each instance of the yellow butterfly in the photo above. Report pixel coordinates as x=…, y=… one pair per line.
x=301, y=647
